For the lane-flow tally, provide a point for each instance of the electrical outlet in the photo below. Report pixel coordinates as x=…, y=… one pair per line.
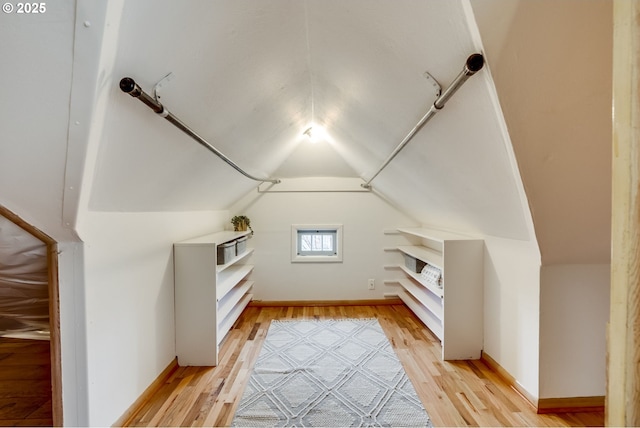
x=372, y=284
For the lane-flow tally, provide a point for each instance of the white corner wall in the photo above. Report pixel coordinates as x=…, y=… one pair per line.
x=73, y=338
x=574, y=302
x=127, y=271
x=36, y=66
x=130, y=301
x=559, y=120
x=364, y=216
x=533, y=48
x=512, y=308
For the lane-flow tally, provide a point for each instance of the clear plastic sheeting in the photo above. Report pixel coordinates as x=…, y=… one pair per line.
x=24, y=292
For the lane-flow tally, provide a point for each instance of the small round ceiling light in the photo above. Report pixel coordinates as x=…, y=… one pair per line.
x=314, y=133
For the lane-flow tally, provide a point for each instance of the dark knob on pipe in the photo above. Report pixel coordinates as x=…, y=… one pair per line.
x=475, y=62
x=127, y=85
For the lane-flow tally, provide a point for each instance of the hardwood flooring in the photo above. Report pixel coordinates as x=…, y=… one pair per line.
x=461, y=393
x=25, y=383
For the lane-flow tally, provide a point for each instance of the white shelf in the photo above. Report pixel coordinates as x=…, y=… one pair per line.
x=391, y=232
x=429, y=300
x=427, y=317
x=234, y=260
x=230, y=319
x=431, y=287
x=208, y=298
x=231, y=299
x=453, y=312
x=425, y=254
x=434, y=234
x=214, y=238
x=231, y=277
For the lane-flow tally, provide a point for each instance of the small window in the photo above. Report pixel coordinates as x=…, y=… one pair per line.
x=316, y=243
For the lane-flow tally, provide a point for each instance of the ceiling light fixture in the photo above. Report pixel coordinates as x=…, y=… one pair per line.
x=311, y=135
x=314, y=133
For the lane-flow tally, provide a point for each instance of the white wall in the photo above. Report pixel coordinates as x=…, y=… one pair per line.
x=37, y=53
x=574, y=311
x=551, y=63
x=127, y=273
x=512, y=308
x=130, y=301
x=559, y=121
x=73, y=338
x=364, y=216
x=545, y=325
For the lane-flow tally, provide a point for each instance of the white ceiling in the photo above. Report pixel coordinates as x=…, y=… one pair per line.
x=250, y=76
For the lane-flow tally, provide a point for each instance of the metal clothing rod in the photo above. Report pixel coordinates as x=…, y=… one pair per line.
x=129, y=86
x=474, y=64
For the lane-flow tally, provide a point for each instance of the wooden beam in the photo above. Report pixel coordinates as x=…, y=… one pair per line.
x=54, y=335
x=623, y=372
x=18, y=221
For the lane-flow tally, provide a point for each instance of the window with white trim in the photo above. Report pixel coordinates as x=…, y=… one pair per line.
x=316, y=243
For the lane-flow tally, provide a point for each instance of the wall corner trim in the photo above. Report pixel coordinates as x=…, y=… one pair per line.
x=127, y=416
x=547, y=405
x=509, y=379
x=571, y=404
x=311, y=303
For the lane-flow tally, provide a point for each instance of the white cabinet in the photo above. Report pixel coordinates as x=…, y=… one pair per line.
x=209, y=297
x=453, y=312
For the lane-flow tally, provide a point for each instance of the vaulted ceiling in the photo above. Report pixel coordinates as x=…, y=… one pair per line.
x=251, y=77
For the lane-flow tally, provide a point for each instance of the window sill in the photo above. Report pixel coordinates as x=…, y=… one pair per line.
x=316, y=259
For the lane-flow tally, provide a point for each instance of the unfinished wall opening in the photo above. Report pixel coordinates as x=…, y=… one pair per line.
x=29, y=340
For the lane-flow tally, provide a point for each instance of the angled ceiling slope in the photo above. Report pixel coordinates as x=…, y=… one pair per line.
x=250, y=76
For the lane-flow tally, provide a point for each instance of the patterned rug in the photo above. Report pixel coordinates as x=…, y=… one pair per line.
x=329, y=373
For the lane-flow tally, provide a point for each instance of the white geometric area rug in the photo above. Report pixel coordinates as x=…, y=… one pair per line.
x=329, y=373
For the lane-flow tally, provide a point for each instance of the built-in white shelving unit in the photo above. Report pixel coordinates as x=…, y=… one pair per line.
x=209, y=297
x=453, y=312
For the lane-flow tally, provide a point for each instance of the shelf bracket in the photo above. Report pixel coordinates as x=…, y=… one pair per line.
x=158, y=87
x=435, y=86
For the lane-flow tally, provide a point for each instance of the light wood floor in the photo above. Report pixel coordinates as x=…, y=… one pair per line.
x=454, y=393
x=25, y=383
